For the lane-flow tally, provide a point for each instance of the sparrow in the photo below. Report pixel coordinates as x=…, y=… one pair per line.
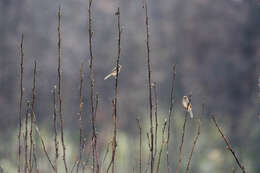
x=187, y=105
x=113, y=73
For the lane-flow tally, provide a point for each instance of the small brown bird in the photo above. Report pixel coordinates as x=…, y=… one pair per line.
x=187, y=105
x=113, y=73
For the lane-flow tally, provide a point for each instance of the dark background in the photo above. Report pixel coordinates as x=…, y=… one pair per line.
x=214, y=43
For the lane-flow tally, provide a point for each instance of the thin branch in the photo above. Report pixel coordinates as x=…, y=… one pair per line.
x=154, y=85
x=114, y=143
x=228, y=145
x=32, y=116
x=80, y=116
x=182, y=138
x=194, y=144
x=169, y=118
x=140, y=144
x=26, y=137
x=20, y=104
x=149, y=84
x=95, y=144
x=56, y=144
x=90, y=33
x=59, y=90
x=44, y=148
x=162, y=144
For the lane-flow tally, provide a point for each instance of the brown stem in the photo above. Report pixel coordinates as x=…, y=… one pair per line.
x=20, y=104
x=59, y=90
x=169, y=118
x=149, y=85
x=228, y=145
x=32, y=116
x=55, y=130
x=80, y=116
x=114, y=143
x=193, y=146
x=182, y=138
x=44, y=148
x=162, y=144
x=26, y=137
x=154, y=85
x=140, y=144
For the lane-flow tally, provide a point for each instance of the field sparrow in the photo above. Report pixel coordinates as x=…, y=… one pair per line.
x=187, y=105
x=113, y=73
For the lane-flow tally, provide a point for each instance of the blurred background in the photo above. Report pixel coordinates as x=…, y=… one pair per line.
x=215, y=45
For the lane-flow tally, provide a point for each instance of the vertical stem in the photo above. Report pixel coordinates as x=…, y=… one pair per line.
x=162, y=144
x=59, y=90
x=182, y=138
x=32, y=116
x=114, y=143
x=55, y=130
x=149, y=84
x=140, y=145
x=90, y=33
x=169, y=118
x=20, y=104
x=80, y=116
x=154, y=85
x=193, y=146
x=26, y=137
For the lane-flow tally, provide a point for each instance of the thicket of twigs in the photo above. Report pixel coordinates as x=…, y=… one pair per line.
x=158, y=137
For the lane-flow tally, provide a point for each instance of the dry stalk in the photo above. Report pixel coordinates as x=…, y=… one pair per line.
x=44, y=148
x=56, y=144
x=114, y=143
x=32, y=116
x=96, y=152
x=154, y=85
x=90, y=32
x=193, y=146
x=169, y=118
x=80, y=116
x=162, y=144
x=59, y=90
x=229, y=146
x=149, y=86
x=140, y=144
x=20, y=104
x=182, y=138
x=26, y=137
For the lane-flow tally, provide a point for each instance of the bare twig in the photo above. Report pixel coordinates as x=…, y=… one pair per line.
x=149, y=85
x=169, y=118
x=194, y=144
x=44, y=148
x=154, y=85
x=26, y=137
x=228, y=145
x=32, y=116
x=59, y=90
x=140, y=144
x=95, y=144
x=182, y=138
x=90, y=33
x=162, y=144
x=114, y=143
x=20, y=104
x=80, y=116
x=56, y=145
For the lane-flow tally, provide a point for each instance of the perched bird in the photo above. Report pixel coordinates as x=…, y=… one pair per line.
x=187, y=105
x=113, y=73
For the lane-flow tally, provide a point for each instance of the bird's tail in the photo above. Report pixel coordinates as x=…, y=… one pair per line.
x=191, y=114
x=108, y=76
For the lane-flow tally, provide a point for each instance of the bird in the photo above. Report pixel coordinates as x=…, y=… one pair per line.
x=113, y=73
x=187, y=105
